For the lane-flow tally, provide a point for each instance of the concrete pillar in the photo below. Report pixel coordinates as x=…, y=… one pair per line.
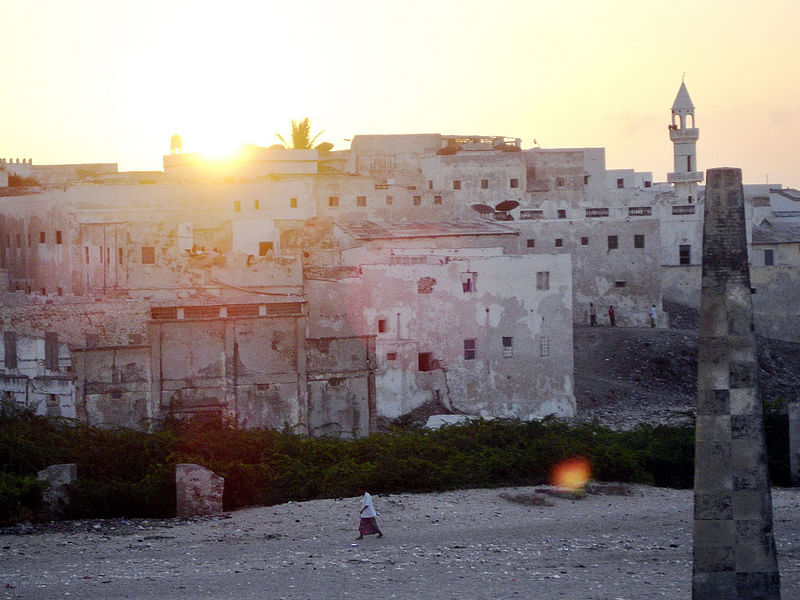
x=794, y=442
x=734, y=547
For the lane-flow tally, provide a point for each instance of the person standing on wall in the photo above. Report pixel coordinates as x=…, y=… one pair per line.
x=611, y=318
x=653, y=316
x=592, y=314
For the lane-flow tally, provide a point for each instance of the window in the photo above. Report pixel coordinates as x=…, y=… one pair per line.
x=388, y=199
x=469, y=349
x=531, y=243
x=468, y=282
x=86, y=249
x=584, y=241
x=430, y=184
x=456, y=184
x=292, y=202
x=60, y=291
x=508, y=347
x=120, y=256
x=333, y=201
x=620, y=284
x=544, y=347
x=685, y=254
x=620, y=183
x=638, y=241
x=596, y=212
x=255, y=203
x=769, y=257
x=10, y=341
x=417, y=200
x=437, y=199
x=514, y=182
x=391, y=356
x=484, y=184
x=648, y=184
x=562, y=213
x=51, y=351
x=41, y=237
x=148, y=255
x=560, y=182
x=640, y=211
x=237, y=206
x=613, y=242
x=58, y=237
x=361, y=200
x=543, y=280
x=264, y=248
x=689, y=199
x=559, y=242
x=585, y=180
x=383, y=325
x=689, y=163
x=686, y=209
x=425, y=361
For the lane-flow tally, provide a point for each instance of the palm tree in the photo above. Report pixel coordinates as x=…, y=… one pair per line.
x=301, y=135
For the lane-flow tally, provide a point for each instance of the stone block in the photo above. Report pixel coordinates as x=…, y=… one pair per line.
x=715, y=533
x=714, y=473
x=714, y=586
x=759, y=585
x=714, y=403
x=744, y=401
x=752, y=504
x=713, y=428
x=794, y=441
x=56, y=495
x=712, y=507
x=713, y=559
x=198, y=491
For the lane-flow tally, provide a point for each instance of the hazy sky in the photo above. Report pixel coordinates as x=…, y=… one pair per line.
x=111, y=81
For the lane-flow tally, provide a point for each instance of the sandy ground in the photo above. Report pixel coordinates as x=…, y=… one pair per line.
x=463, y=544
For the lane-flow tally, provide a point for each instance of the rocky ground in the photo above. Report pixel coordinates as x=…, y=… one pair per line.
x=469, y=544
x=626, y=376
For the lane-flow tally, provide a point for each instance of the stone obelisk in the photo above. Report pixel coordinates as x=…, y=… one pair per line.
x=734, y=547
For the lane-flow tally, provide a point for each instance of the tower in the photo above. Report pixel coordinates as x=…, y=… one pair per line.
x=683, y=135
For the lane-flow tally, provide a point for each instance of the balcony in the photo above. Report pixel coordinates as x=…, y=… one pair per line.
x=690, y=177
x=684, y=135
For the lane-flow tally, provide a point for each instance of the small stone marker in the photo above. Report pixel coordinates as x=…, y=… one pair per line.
x=198, y=491
x=56, y=496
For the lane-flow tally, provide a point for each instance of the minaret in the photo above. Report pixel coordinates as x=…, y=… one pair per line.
x=684, y=135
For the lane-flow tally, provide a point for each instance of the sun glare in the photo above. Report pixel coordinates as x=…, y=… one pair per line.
x=572, y=473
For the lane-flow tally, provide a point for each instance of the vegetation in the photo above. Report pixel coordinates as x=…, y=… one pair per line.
x=128, y=473
x=301, y=137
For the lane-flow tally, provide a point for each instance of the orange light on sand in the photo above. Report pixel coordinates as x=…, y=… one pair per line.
x=572, y=473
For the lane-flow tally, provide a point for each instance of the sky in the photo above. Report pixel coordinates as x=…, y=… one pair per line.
x=111, y=81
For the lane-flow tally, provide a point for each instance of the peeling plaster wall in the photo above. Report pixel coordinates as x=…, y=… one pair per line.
x=113, y=386
x=339, y=371
x=248, y=369
x=598, y=272
x=775, y=305
x=505, y=303
x=31, y=384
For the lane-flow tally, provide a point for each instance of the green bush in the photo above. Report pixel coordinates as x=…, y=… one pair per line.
x=130, y=473
x=20, y=498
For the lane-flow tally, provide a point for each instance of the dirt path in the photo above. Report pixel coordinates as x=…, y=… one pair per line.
x=469, y=544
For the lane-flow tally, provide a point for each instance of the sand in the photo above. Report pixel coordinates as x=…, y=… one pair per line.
x=461, y=544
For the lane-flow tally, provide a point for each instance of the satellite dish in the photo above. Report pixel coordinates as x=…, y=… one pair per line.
x=483, y=209
x=507, y=205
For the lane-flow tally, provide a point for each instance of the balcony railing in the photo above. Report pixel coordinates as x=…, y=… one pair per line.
x=685, y=209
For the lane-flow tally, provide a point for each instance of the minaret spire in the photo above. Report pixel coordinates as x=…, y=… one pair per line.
x=684, y=136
